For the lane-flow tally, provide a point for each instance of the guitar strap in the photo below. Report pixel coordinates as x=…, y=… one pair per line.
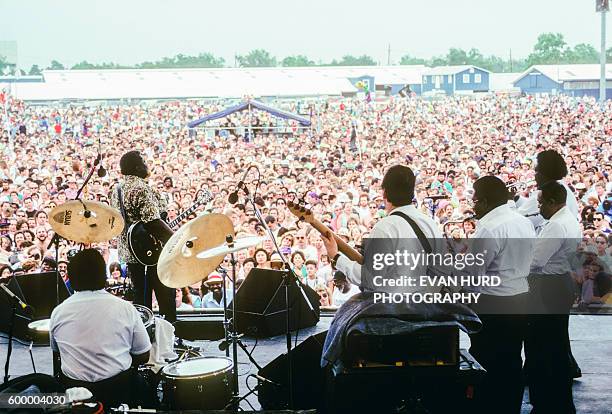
x=417, y=230
x=122, y=208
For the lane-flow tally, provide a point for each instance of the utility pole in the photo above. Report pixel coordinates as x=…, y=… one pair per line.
x=511, y=61
x=602, y=6
x=389, y=55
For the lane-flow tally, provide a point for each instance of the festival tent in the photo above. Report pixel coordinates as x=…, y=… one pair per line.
x=249, y=105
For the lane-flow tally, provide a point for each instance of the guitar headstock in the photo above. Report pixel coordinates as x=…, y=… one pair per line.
x=204, y=197
x=300, y=211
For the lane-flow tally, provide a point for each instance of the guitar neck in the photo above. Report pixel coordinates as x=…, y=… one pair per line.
x=187, y=212
x=343, y=246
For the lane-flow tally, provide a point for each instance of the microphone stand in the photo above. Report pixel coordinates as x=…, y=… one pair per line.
x=10, y=339
x=289, y=277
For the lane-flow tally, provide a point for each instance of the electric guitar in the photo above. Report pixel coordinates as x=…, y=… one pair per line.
x=306, y=215
x=146, y=246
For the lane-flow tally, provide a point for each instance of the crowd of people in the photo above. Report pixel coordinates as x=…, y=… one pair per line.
x=334, y=168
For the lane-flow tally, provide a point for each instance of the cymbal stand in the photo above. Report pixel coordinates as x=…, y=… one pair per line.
x=289, y=278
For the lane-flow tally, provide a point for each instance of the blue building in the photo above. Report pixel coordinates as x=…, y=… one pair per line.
x=452, y=80
x=573, y=80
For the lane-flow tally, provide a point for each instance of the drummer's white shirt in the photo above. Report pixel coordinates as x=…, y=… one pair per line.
x=95, y=333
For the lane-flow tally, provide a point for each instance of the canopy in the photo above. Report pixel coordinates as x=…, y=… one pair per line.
x=247, y=106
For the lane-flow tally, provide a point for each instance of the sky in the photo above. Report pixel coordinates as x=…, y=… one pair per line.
x=132, y=31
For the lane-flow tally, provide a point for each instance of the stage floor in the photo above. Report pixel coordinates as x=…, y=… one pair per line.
x=591, y=343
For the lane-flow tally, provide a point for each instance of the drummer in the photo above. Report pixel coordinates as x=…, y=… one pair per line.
x=100, y=337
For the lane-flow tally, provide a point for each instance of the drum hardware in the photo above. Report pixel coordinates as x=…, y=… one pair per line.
x=289, y=278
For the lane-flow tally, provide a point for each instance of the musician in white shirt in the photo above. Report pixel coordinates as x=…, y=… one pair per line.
x=550, y=167
x=99, y=337
x=398, y=194
x=506, y=239
x=547, y=346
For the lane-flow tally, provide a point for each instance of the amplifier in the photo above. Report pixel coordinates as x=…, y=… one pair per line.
x=436, y=346
x=385, y=388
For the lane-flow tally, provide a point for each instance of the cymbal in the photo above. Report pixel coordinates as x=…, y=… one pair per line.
x=239, y=244
x=178, y=265
x=69, y=221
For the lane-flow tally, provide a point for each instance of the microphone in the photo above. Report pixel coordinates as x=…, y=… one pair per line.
x=15, y=298
x=437, y=197
x=101, y=170
x=233, y=197
x=262, y=379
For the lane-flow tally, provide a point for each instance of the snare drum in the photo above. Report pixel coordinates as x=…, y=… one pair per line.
x=197, y=384
x=148, y=319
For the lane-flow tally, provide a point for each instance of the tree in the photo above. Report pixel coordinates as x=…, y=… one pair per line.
x=256, y=58
x=55, y=65
x=84, y=65
x=35, y=70
x=297, y=60
x=609, y=55
x=549, y=49
x=457, y=57
x=349, y=60
x=581, y=53
x=411, y=60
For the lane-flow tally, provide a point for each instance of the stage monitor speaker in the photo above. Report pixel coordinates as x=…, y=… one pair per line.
x=260, y=305
x=308, y=377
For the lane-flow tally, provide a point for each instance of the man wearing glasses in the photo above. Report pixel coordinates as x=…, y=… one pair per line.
x=506, y=239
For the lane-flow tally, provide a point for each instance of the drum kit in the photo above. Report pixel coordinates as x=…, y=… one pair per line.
x=197, y=248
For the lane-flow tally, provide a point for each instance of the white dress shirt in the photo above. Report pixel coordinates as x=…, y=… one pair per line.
x=397, y=228
x=507, y=239
x=96, y=333
x=529, y=206
x=557, y=241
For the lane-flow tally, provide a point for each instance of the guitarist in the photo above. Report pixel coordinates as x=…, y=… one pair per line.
x=403, y=221
x=141, y=202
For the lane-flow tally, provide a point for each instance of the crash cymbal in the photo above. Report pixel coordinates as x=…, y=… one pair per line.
x=178, y=265
x=239, y=244
x=86, y=221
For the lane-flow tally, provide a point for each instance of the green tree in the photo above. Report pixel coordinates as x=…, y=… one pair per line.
x=349, y=60
x=549, y=49
x=297, y=60
x=256, y=58
x=609, y=55
x=84, y=65
x=411, y=60
x=457, y=57
x=35, y=70
x=581, y=53
x=3, y=63
x=55, y=65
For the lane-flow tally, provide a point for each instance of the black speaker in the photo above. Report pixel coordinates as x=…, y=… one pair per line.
x=308, y=377
x=260, y=305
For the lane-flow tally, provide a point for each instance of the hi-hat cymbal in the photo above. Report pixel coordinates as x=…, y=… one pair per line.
x=86, y=221
x=178, y=265
x=238, y=244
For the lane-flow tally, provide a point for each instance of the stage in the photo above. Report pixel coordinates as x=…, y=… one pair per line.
x=591, y=343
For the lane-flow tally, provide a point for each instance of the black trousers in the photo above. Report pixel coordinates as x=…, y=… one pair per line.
x=547, y=344
x=146, y=282
x=127, y=387
x=497, y=347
